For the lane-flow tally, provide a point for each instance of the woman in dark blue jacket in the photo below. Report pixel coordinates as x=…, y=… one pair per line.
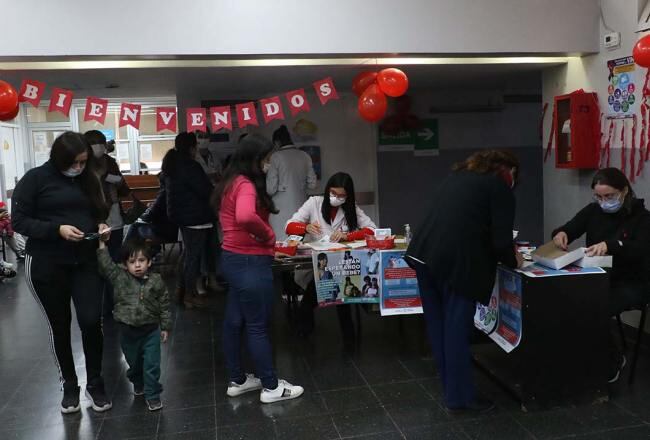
x=188, y=190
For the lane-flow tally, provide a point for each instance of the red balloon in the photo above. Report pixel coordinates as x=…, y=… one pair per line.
x=8, y=97
x=372, y=104
x=10, y=115
x=362, y=81
x=641, y=52
x=393, y=82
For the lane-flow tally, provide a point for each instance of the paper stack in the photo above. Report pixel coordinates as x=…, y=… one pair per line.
x=551, y=256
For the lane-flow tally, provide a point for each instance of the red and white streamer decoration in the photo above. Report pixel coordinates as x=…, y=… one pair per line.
x=642, y=141
x=633, y=152
x=608, y=143
x=551, y=135
x=623, y=156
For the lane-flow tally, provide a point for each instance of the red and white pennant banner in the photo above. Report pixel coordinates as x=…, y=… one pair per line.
x=221, y=118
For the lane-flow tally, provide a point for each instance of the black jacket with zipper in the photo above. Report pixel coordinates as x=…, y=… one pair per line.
x=466, y=231
x=626, y=233
x=188, y=194
x=43, y=200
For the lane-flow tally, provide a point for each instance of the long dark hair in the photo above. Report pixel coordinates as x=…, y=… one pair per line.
x=341, y=180
x=247, y=161
x=184, y=146
x=497, y=162
x=616, y=179
x=281, y=136
x=65, y=149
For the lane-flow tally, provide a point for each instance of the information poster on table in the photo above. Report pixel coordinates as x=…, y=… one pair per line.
x=399, y=286
x=344, y=277
x=509, y=326
x=486, y=316
x=621, y=89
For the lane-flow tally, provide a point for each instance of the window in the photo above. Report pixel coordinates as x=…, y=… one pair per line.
x=40, y=114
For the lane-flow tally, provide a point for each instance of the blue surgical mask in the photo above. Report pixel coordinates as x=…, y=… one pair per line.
x=72, y=172
x=611, y=206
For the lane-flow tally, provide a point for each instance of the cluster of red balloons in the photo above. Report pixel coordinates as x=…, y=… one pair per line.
x=8, y=102
x=372, y=88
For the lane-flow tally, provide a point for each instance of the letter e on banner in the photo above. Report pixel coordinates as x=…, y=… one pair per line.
x=325, y=90
x=272, y=109
x=166, y=119
x=96, y=109
x=31, y=91
x=297, y=101
x=220, y=118
x=130, y=115
x=196, y=119
x=246, y=114
x=60, y=101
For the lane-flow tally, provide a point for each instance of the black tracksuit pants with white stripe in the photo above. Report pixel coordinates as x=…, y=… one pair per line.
x=54, y=285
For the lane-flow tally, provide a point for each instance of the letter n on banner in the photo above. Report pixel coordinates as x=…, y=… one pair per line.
x=297, y=101
x=271, y=109
x=195, y=118
x=166, y=119
x=96, y=109
x=31, y=91
x=130, y=115
x=220, y=118
x=60, y=101
x=325, y=90
x=246, y=114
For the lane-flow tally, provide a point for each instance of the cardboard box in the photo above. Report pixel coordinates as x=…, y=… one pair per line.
x=604, y=261
x=552, y=256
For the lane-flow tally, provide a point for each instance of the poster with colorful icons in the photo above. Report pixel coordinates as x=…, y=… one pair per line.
x=622, y=90
x=399, y=291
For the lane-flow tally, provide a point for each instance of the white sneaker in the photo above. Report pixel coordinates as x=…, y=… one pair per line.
x=284, y=391
x=252, y=383
x=6, y=265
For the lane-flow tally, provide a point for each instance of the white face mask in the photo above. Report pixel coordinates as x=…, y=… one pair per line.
x=98, y=150
x=336, y=202
x=72, y=172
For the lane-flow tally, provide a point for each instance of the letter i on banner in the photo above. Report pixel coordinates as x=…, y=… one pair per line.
x=60, y=101
x=220, y=118
x=196, y=119
x=271, y=109
x=96, y=109
x=246, y=114
x=297, y=101
x=166, y=119
x=130, y=115
x=31, y=91
x=325, y=90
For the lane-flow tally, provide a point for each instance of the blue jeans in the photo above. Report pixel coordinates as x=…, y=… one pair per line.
x=449, y=318
x=249, y=307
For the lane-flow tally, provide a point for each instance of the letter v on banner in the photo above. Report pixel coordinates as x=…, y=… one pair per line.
x=60, y=101
x=31, y=91
x=297, y=101
x=220, y=118
x=195, y=118
x=166, y=119
x=246, y=114
x=325, y=90
x=130, y=115
x=96, y=109
x=271, y=109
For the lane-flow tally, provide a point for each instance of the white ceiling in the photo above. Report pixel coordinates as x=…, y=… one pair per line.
x=242, y=82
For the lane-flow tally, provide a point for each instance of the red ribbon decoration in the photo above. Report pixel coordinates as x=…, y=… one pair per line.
x=550, y=136
x=609, y=141
x=633, y=155
x=623, y=157
x=541, y=121
x=644, y=113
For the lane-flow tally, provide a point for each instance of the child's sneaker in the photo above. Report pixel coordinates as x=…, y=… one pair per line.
x=252, y=383
x=284, y=391
x=138, y=390
x=6, y=265
x=154, y=404
x=6, y=272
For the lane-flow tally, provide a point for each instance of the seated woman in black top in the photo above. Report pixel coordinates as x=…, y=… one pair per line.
x=616, y=224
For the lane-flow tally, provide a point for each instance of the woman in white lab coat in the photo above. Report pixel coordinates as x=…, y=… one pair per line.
x=336, y=215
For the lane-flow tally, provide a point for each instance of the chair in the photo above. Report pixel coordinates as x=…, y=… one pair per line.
x=637, y=345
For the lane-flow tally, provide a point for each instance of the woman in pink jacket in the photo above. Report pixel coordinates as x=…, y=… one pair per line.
x=244, y=207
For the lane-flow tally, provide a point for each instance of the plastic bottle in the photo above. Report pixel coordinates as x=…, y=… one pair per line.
x=407, y=233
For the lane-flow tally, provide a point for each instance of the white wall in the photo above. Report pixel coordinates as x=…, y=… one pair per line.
x=181, y=27
x=567, y=191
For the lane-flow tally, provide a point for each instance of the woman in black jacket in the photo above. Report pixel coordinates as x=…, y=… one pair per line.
x=617, y=224
x=465, y=233
x=188, y=190
x=55, y=205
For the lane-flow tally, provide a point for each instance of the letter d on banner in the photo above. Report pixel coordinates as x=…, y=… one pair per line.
x=195, y=118
x=271, y=109
x=31, y=91
x=297, y=101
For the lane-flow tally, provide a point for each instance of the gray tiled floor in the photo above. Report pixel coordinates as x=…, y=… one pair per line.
x=387, y=389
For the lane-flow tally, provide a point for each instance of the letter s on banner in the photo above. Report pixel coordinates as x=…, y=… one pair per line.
x=166, y=119
x=96, y=109
x=272, y=109
x=325, y=90
x=196, y=119
x=297, y=101
x=60, y=101
x=31, y=91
